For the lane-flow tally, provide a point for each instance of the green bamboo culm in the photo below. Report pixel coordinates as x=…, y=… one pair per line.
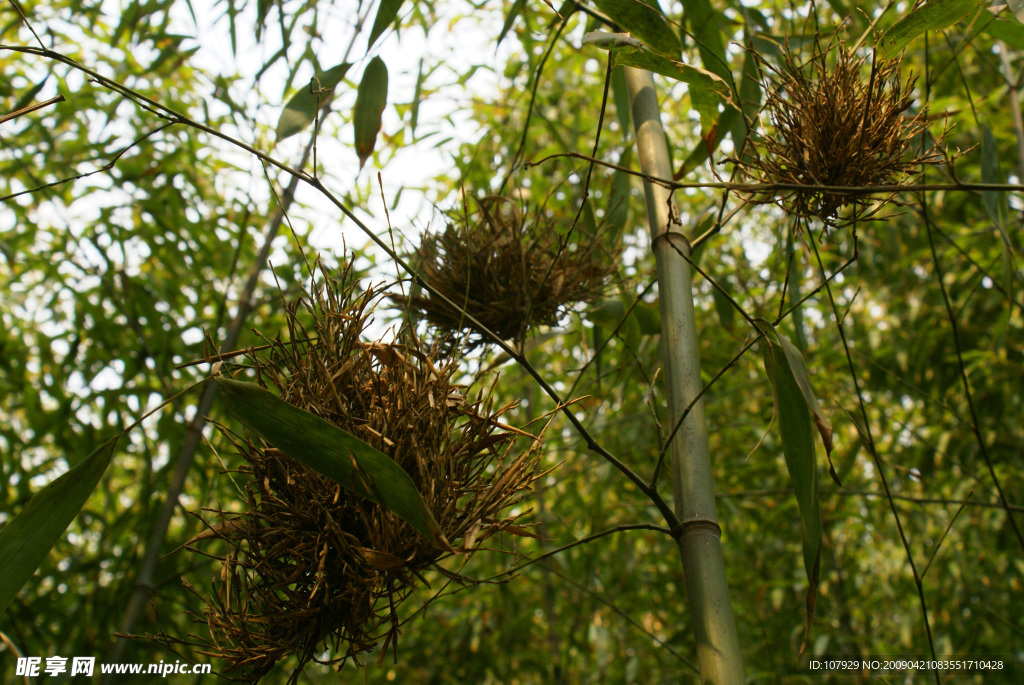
x=699, y=535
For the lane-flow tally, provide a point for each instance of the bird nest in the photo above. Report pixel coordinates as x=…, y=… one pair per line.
x=508, y=272
x=837, y=122
x=312, y=570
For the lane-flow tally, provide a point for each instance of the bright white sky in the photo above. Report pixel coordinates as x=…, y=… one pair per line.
x=458, y=42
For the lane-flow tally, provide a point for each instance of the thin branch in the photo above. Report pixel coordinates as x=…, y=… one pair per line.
x=767, y=187
x=870, y=442
x=975, y=424
x=778, y=492
x=106, y=167
x=629, y=619
x=24, y=19
x=31, y=108
x=582, y=541
x=563, y=241
x=533, y=97
x=938, y=544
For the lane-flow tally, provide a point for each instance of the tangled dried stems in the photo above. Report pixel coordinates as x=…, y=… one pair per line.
x=311, y=568
x=509, y=272
x=837, y=122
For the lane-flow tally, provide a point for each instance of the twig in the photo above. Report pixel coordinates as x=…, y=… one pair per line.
x=31, y=108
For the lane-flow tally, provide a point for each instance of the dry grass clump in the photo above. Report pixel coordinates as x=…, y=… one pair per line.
x=311, y=568
x=837, y=121
x=509, y=272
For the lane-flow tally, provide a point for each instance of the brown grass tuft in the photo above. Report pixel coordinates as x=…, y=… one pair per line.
x=310, y=567
x=510, y=272
x=837, y=120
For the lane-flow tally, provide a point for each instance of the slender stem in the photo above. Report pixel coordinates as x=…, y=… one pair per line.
x=761, y=188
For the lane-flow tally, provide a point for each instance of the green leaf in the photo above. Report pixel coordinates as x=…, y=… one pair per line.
x=726, y=312
x=232, y=13
x=28, y=537
x=611, y=315
x=620, y=94
x=386, y=14
x=370, y=102
x=1010, y=32
x=706, y=27
x=517, y=8
x=710, y=140
x=329, y=450
x=750, y=101
x=698, y=155
x=262, y=10
x=589, y=221
x=791, y=408
x=29, y=96
x=710, y=216
x=996, y=202
x=644, y=318
x=645, y=21
x=301, y=109
x=937, y=14
x=707, y=90
x=617, y=213
x=803, y=381
x=648, y=316
x=417, y=98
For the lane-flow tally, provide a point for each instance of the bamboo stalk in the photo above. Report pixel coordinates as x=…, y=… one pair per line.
x=698, y=535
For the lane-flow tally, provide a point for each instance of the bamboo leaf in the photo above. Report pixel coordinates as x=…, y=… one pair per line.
x=996, y=203
x=262, y=10
x=648, y=316
x=1010, y=32
x=301, y=109
x=386, y=13
x=726, y=312
x=589, y=221
x=617, y=213
x=517, y=8
x=417, y=98
x=28, y=538
x=611, y=315
x=707, y=90
x=329, y=450
x=646, y=21
x=750, y=100
x=370, y=102
x=791, y=409
x=937, y=14
x=803, y=381
x=706, y=27
x=620, y=94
